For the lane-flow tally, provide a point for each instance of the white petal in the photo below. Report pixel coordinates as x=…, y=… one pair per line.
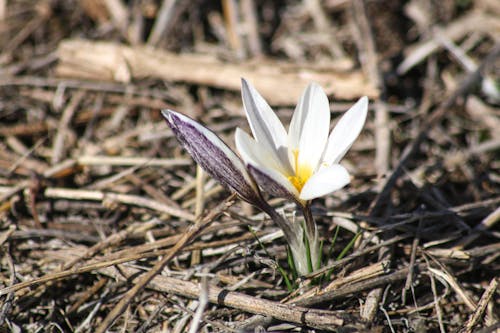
x=212, y=154
x=254, y=152
x=259, y=158
x=325, y=181
x=346, y=131
x=309, y=127
x=266, y=127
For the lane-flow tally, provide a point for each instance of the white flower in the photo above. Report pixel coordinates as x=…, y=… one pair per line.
x=302, y=164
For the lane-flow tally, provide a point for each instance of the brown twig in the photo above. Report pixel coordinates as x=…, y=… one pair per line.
x=108, y=61
x=322, y=319
x=481, y=307
x=135, y=200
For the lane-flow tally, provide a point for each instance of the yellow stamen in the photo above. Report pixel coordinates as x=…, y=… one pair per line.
x=302, y=172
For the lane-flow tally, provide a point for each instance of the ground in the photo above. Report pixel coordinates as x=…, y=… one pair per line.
x=106, y=223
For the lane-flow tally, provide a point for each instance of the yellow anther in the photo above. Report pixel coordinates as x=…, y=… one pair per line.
x=302, y=172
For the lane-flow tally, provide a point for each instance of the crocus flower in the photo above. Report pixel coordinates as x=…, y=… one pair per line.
x=302, y=164
x=219, y=161
x=213, y=155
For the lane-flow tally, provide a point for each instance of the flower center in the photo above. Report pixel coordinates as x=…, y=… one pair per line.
x=302, y=172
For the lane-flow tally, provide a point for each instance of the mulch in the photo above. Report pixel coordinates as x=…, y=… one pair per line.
x=107, y=224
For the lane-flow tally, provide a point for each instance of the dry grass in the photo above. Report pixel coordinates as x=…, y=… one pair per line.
x=107, y=224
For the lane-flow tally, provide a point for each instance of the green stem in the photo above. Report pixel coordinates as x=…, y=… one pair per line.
x=308, y=217
x=284, y=225
x=311, y=236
